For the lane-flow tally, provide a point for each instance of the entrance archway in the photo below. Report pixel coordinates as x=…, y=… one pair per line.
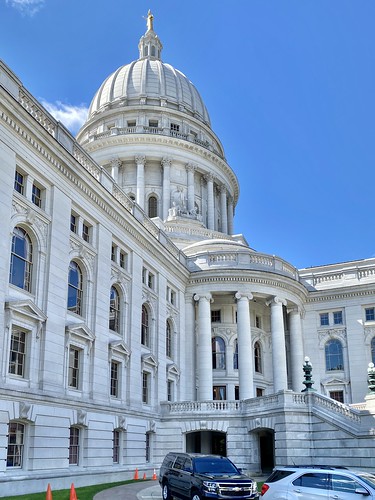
x=207, y=442
x=267, y=450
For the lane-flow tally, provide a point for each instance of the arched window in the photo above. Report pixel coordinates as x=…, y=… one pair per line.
x=152, y=206
x=257, y=357
x=145, y=329
x=15, y=448
x=235, y=355
x=153, y=51
x=21, y=262
x=373, y=350
x=334, y=357
x=114, y=310
x=75, y=288
x=218, y=353
x=168, y=339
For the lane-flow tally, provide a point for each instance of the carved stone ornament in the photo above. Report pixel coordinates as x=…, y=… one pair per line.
x=24, y=410
x=81, y=417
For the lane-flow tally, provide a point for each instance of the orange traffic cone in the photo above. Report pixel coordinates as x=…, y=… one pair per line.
x=154, y=475
x=144, y=476
x=73, y=494
x=136, y=474
x=49, y=492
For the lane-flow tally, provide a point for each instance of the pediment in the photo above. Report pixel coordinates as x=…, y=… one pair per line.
x=26, y=308
x=120, y=348
x=334, y=381
x=80, y=331
x=149, y=360
x=172, y=369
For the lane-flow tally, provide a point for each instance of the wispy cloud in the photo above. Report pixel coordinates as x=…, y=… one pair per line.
x=26, y=7
x=71, y=116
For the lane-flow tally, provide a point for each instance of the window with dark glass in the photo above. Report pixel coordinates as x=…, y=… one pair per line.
x=74, y=446
x=17, y=354
x=116, y=446
x=219, y=393
x=324, y=319
x=337, y=318
x=257, y=357
x=16, y=442
x=123, y=260
x=235, y=355
x=148, y=447
x=259, y=392
x=145, y=334
x=370, y=313
x=145, y=387
x=75, y=288
x=74, y=367
x=152, y=206
x=86, y=232
x=175, y=127
x=168, y=339
x=237, y=392
x=36, y=196
x=216, y=316
x=153, y=123
x=114, y=379
x=170, y=386
x=19, y=182
x=73, y=223
x=258, y=322
x=21, y=264
x=334, y=355
x=218, y=353
x=114, y=310
x=337, y=396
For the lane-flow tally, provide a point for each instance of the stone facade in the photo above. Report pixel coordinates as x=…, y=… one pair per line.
x=133, y=320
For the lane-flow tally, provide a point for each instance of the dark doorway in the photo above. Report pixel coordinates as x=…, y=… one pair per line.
x=207, y=442
x=266, y=446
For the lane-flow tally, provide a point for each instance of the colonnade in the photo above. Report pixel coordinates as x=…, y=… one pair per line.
x=225, y=201
x=245, y=346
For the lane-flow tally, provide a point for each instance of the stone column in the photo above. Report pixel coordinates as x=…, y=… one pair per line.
x=230, y=215
x=190, y=168
x=296, y=348
x=115, y=166
x=204, y=354
x=280, y=380
x=223, y=209
x=166, y=164
x=140, y=191
x=245, y=346
x=210, y=202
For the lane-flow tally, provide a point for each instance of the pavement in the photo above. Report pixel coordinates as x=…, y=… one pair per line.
x=144, y=490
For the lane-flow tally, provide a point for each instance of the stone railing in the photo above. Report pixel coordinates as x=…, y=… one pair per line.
x=201, y=407
x=333, y=277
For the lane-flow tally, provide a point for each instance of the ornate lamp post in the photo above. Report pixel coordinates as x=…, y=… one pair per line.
x=308, y=382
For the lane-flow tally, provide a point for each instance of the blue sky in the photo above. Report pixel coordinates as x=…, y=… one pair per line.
x=289, y=85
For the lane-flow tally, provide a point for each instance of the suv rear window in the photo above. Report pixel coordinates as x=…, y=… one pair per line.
x=279, y=474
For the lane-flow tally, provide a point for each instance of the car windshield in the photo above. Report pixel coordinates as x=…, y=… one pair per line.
x=369, y=479
x=214, y=466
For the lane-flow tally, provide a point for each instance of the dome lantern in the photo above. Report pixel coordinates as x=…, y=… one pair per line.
x=149, y=45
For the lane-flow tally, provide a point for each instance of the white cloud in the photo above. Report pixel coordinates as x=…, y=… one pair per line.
x=71, y=116
x=26, y=7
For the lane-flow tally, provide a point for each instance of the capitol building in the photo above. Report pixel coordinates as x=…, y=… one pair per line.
x=133, y=321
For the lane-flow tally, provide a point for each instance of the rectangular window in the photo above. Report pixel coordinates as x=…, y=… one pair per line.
x=116, y=446
x=131, y=123
x=153, y=123
x=113, y=253
x=237, y=392
x=337, y=318
x=19, y=183
x=145, y=387
x=86, y=229
x=175, y=127
x=337, y=396
x=151, y=281
x=16, y=436
x=115, y=378
x=36, y=196
x=216, y=316
x=324, y=319
x=219, y=393
x=170, y=390
x=370, y=313
x=148, y=447
x=258, y=322
x=259, y=392
x=73, y=223
x=123, y=260
x=74, y=362
x=74, y=446
x=17, y=355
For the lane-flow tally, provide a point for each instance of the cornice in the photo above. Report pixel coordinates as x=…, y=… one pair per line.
x=344, y=294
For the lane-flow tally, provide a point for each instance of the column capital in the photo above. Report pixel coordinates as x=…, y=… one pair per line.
x=241, y=295
x=276, y=301
x=191, y=167
x=166, y=162
x=223, y=189
x=206, y=296
x=294, y=309
x=209, y=177
x=115, y=162
x=140, y=160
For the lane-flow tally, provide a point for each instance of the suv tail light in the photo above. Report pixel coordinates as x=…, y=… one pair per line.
x=265, y=488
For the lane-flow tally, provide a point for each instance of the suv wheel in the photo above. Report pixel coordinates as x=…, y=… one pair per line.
x=166, y=492
x=196, y=496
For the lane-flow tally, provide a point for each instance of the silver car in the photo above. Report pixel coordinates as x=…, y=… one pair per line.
x=318, y=483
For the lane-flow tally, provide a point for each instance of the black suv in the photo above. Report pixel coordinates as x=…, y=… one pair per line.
x=195, y=476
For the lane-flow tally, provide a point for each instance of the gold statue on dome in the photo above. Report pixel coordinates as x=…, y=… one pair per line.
x=150, y=21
